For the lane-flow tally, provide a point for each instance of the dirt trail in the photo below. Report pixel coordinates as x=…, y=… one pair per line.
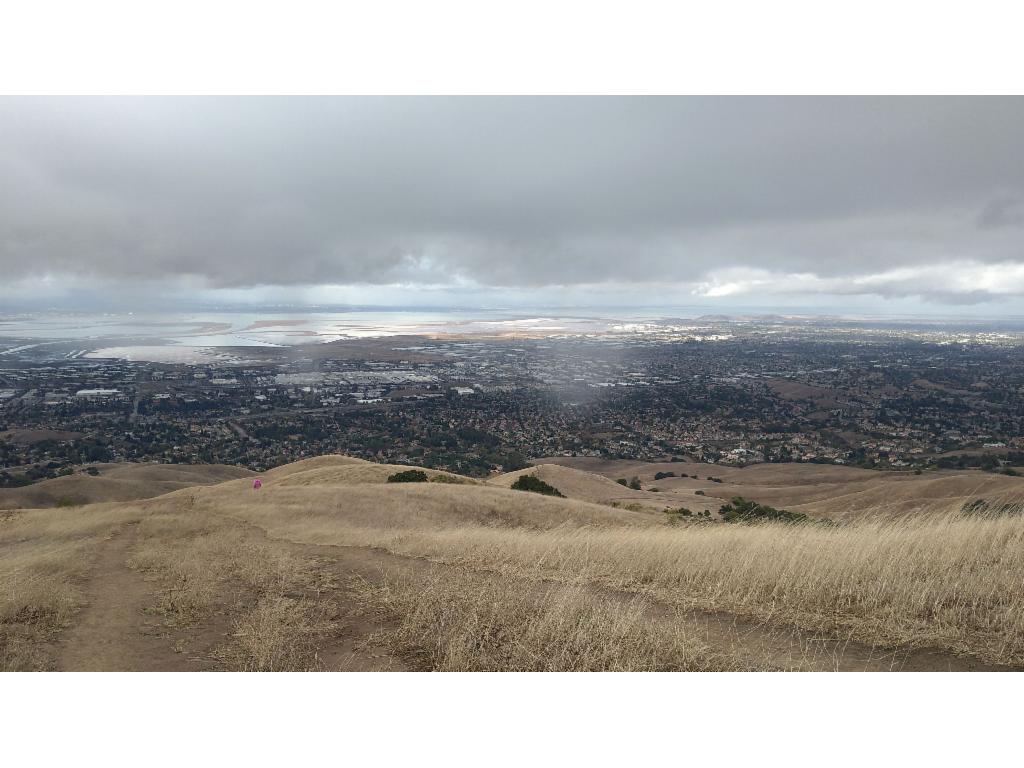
x=112, y=633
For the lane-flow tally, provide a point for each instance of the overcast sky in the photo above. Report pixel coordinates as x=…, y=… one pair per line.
x=495, y=202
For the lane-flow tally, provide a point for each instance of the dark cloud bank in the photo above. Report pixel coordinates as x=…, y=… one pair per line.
x=712, y=198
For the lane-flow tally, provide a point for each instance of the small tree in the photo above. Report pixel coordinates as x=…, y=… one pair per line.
x=741, y=510
x=534, y=484
x=408, y=476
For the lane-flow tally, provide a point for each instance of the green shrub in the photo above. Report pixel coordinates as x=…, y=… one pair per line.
x=8, y=480
x=663, y=475
x=622, y=481
x=740, y=510
x=635, y=483
x=534, y=484
x=408, y=476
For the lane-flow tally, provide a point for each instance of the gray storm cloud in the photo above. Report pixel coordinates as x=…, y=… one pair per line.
x=808, y=195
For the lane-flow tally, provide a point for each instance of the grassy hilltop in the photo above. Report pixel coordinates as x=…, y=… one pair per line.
x=330, y=566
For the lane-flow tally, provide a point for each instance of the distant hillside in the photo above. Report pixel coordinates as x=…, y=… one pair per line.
x=117, y=482
x=819, y=490
x=345, y=470
x=585, y=486
x=353, y=492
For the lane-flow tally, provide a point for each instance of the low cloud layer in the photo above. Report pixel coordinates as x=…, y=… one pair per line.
x=710, y=198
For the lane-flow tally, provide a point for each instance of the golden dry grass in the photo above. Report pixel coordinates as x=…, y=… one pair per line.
x=202, y=564
x=951, y=581
x=117, y=482
x=945, y=580
x=315, y=462
x=458, y=622
x=359, y=474
x=954, y=583
x=531, y=576
x=44, y=556
x=279, y=634
x=575, y=484
x=819, y=490
x=395, y=506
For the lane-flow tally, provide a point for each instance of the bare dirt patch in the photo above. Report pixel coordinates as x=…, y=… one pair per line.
x=113, y=631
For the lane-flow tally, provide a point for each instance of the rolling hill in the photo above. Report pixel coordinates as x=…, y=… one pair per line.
x=329, y=566
x=819, y=490
x=117, y=482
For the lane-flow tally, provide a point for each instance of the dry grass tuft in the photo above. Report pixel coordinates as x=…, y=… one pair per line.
x=279, y=634
x=208, y=564
x=472, y=623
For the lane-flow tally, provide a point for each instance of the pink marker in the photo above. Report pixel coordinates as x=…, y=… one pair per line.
x=257, y=484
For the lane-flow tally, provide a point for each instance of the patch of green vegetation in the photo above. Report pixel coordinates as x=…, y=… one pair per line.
x=8, y=480
x=989, y=462
x=408, y=476
x=740, y=510
x=534, y=484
